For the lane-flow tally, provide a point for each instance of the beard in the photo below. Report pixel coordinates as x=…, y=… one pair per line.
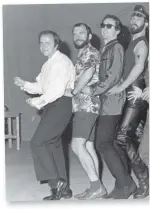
x=83, y=44
x=135, y=30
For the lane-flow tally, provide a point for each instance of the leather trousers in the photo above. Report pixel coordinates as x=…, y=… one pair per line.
x=131, y=117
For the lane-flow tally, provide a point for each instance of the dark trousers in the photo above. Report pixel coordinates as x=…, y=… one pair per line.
x=131, y=117
x=105, y=133
x=144, y=145
x=46, y=144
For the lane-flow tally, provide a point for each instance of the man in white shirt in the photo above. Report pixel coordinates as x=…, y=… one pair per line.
x=57, y=75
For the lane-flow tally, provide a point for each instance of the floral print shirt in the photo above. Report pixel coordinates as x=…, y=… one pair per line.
x=88, y=58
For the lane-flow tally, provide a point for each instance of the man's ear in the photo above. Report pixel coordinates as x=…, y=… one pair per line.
x=57, y=47
x=146, y=24
x=118, y=31
x=90, y=36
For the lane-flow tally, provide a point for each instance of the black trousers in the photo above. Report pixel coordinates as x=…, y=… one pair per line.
x=131, y=117
x=105, y=133
x=46, y=144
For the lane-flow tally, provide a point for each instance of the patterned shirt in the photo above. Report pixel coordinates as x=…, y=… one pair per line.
x=88, y=58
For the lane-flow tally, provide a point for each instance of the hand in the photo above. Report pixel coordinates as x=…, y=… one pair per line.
x=145, y=94
x=136, y=93
x=87, y=90
x=29, y=102
x=146, y=90
x=19, y=82
x=36, y=102
x=114, y=90
x=68, y=93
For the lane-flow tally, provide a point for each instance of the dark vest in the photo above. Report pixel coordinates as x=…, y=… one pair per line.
x=113, y=104
x=107, y=58
x=130, y=62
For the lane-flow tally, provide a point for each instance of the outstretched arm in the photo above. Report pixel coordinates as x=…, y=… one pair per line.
x=31, y=88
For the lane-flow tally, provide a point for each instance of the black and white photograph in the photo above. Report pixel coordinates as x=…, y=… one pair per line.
x=76, y=101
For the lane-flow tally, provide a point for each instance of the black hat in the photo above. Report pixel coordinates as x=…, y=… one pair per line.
x=141, y=10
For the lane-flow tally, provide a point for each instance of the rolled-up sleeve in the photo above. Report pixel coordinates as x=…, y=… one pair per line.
x=56, y=87
x=113, y=74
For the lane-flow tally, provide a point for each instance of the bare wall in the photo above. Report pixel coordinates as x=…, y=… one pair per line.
x=22, y=57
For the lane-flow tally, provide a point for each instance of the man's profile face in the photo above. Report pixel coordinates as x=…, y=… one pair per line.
x=80, y=36
x=47, y=45
x=108, y=29
x=137, y=23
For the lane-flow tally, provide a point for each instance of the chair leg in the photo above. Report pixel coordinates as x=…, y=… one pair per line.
x=9, y=132
x=18, y=132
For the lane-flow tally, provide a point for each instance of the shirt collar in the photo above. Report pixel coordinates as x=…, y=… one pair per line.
x=84, y=49
x=111, y=42
x=108, y=44
x=55, y=55
x=87, y=46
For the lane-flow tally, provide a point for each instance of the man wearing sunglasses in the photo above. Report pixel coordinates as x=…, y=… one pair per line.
x=135, y=65
x=110, y=73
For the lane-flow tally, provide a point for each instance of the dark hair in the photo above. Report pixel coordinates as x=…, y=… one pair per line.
x=55, y=36
x=124, y=36
x=85, y=25
x=116, y=19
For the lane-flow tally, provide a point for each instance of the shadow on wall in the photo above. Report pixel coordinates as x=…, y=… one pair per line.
x=95, y=41
x=65, y=49
x=124, y=37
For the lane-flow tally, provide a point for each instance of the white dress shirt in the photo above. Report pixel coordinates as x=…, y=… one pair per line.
x=57, y=75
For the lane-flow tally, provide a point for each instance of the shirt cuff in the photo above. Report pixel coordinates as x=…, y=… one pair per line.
x=38, y=102
x=24, y=88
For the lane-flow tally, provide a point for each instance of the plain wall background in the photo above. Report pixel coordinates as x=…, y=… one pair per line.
x=22, y=57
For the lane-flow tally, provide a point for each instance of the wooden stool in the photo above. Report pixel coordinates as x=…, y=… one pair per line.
x=10, y=133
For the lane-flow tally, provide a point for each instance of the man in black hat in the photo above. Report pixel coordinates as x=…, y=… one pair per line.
x=135, y=64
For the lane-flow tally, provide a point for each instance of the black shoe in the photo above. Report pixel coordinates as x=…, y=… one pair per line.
x=61, y=191
x=66, y=193
x=126, y=192
x=143, y=190
x=142, y=174
x=61, y=185
x=122, y=193
x=112, y=194
x=91, y=194
x=52, y=196
x=141, y=193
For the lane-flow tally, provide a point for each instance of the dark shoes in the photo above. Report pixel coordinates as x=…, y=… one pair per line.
x=52, y=196
x=122, y=193
x=61, y=191
x=143, y=190
x=89, y=194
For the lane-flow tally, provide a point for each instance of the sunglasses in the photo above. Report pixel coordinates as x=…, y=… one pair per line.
x=137, y=14
x=108, y=26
